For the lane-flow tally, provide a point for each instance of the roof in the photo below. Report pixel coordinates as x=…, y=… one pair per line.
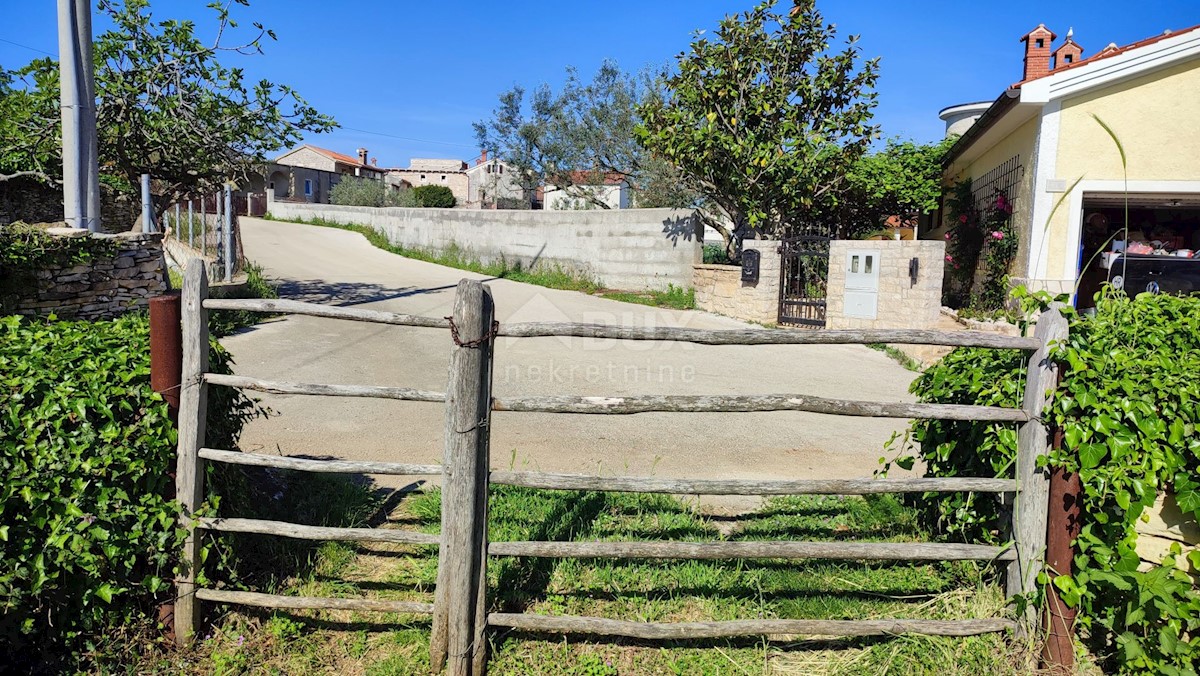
x=596, y=178
x=1010, y=97
x=336, y=157
x=1111, y=51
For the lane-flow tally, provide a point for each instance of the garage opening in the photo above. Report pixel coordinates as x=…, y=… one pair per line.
x=1159, y=254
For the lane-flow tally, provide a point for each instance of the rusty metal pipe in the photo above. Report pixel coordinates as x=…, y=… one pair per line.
x=166, y=350
x=1063, y=525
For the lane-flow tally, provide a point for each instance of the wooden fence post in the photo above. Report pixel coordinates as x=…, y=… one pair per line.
x=1033, y=484
x=189, y=474
x=460, y=615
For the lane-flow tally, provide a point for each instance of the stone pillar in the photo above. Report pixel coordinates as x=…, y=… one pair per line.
x=761, y=299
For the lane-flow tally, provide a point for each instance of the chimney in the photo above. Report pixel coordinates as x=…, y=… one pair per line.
x=1069, y=52
x=362, y=155
x=1037, y=52
x=374, y=161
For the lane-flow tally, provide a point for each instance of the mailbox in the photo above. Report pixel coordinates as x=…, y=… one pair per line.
x=750, y=260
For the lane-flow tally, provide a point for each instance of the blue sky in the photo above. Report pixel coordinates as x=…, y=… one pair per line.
x=427, y=70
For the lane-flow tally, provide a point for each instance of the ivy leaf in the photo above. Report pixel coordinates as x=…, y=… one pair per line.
x=1090, y=455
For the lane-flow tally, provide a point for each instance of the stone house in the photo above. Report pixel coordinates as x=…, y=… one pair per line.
x=1042, y=146
x=422, y=171
x=308, y=173
x=492, y=180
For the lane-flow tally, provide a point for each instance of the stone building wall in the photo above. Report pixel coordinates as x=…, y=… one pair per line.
x=103, y=288
x=902, y=303
x=720, y=289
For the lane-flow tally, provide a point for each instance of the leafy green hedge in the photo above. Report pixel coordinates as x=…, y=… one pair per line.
x=436, y=196
x=87, y=522
x=1129, y=405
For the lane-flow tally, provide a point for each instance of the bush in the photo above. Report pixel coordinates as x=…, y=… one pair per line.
x=715, y=254
x=1129, y=406
x=87, y=451
x=434, y=196
x=353, y=191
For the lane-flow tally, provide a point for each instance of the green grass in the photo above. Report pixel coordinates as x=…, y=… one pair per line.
x=304, y=642
x=898, y=355
x=225, y=322
x=674, y=297
x=549, y=276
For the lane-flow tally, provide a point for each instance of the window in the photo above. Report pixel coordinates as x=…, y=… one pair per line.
x=443, y=177
x=1041, y=43
x=308, y=187
x=422, y=177
x=1069, y=58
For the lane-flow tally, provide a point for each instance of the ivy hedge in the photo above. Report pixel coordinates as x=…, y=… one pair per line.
x=1129, y=406
x=88, y=530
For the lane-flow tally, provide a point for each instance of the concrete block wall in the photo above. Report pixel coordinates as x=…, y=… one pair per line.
x=720, y=289
x=902, y=304
x=632, y=249
x=103, y=288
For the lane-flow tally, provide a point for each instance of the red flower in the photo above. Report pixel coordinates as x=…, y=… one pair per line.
x=962, y=219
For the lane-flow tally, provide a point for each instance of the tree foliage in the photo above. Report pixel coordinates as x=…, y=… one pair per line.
x=581, y=134
x=764, y=120
x=166, y=105
x=434, y=196
x=355, y=191
x=903, y=179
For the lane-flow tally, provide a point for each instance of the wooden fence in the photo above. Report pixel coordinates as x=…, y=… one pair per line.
x=460, y=607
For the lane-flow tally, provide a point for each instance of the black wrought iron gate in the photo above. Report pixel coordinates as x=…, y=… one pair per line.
x=804, y=274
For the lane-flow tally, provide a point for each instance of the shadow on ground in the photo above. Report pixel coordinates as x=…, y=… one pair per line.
x=347, y=293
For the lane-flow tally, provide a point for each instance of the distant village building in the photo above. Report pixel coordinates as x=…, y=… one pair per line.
x=610, y=189
x=308, y=173
x=492, y=183
x=424, y=171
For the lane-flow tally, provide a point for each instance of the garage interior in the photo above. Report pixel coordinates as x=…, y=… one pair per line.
x=1160, y=255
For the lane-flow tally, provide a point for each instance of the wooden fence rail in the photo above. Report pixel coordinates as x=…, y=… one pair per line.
x=460, y=609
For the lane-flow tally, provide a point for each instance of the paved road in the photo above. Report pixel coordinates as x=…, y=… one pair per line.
x=334, y=266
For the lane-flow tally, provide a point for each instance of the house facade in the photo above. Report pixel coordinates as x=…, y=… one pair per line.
x=612, y=190
x=492, y=182
x=1044, y=145
x=420, y=171
x=308, y=173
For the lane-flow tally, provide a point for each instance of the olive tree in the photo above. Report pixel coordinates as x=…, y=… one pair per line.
x=764, y=120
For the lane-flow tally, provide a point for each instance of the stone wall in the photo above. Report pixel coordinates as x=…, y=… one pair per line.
x=901, y=303
x=27, y=200
x=103, y=288
x=631, y=249
x=720, y=289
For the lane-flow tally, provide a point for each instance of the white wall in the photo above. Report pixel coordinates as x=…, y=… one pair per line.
x=615, y=196
x=629, y=249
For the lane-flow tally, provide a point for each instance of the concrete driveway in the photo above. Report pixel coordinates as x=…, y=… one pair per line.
x=333, y=266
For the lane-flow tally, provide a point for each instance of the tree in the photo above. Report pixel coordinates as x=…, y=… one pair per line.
x=165, y=106
x=764, y=120
x=904, y=179
x=434, y=196
x=580, y=135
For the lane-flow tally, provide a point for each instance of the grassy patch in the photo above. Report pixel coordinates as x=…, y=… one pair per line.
x=674, y=297
x=549, y=276
x=303, y=642
x=225, y=322
x=898, y=355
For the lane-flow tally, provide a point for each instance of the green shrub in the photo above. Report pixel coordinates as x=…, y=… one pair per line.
x=435, y=196
x=1129, y=406
x=353, y=191
x=87, y=520
x=715, y=254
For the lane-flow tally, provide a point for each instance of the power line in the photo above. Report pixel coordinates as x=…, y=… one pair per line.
x=409, y=138
x=34, y=49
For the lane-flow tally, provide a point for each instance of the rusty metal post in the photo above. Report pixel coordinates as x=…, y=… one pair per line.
x=1064, y=521
x=166, y=350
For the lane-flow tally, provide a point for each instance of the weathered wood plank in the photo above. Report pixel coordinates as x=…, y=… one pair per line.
x=460, y=614
x=189, y=471
x=770, y=336
x=1033, y=483
x=295, y=307
x=583, y=482
x=312, y=602
x=327, y=466
x=880, y=551
x=324, y=390
x=766, y=402
x=299, y=532
x=698, y=630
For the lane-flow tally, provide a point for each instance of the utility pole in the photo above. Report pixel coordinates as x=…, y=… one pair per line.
x=77, y=96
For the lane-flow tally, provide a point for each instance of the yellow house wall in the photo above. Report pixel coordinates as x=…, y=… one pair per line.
x=1020, y=142
x=1157, y=119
